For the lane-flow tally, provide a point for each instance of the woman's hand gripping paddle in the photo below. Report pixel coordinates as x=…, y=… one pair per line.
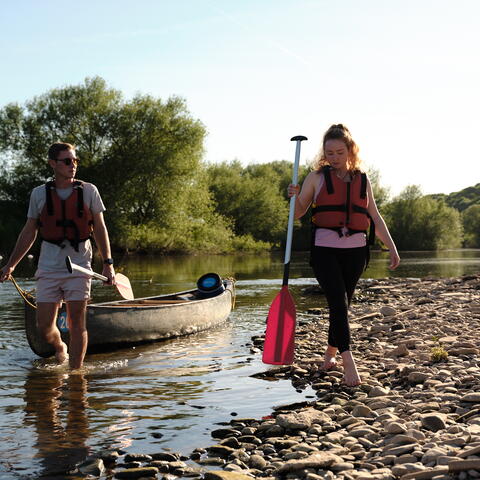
x=121, y=281
x=279, y=345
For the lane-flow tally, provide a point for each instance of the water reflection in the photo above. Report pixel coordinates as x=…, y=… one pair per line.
x=56, y=408
x=189, y=268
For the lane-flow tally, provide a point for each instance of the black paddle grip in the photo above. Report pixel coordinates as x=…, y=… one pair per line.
x=298, y=138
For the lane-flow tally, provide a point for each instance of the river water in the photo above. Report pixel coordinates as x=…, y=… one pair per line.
x=165, y=395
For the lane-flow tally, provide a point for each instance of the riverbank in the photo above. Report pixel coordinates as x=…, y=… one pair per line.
x=416, y=414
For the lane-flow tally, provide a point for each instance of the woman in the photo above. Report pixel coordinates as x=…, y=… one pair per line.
x=343, y=208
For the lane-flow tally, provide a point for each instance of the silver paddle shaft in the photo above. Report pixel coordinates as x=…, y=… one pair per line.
x=72, y=266
x=291, y=215
x=91, y=273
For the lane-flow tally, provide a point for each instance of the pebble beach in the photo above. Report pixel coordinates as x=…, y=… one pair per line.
x=416, y=414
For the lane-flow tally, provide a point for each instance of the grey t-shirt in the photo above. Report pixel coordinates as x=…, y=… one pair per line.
x=52, y=257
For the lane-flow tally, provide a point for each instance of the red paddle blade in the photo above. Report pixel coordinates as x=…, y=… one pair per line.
x=123, y=286
x=279, y=345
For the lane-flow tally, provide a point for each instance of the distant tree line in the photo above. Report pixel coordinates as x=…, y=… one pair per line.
x=145, y=156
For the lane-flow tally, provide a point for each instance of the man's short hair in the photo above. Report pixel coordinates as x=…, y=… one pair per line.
x=58, y=147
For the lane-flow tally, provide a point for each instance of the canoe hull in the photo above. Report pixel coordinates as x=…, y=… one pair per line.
x=115, y=324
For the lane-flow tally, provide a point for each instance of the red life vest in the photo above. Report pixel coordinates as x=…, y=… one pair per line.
x=69, y=219
x=340, y=204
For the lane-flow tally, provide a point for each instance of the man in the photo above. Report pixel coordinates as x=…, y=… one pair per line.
x=65, y=212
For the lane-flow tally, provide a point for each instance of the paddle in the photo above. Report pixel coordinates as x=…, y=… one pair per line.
x=121, y=281
x=279, y=345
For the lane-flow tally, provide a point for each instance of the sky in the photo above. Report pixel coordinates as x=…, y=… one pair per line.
x=403, y=75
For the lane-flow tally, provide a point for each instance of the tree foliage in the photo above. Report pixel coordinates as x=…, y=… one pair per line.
x=471, y=226
x=462, y=199
x=143, y=154
x=253, y=198
x=417, y=222
x=380, y=192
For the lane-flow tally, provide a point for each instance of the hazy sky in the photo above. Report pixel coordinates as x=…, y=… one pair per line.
x=403, y=75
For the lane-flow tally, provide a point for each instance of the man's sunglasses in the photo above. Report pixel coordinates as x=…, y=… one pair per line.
x=68, y=161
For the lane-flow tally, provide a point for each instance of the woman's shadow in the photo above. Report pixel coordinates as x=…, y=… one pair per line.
x=56, y=408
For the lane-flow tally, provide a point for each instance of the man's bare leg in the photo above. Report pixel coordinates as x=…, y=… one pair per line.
x=351, y=376
x=329, y=359
x=78, y=332
x=46, y=316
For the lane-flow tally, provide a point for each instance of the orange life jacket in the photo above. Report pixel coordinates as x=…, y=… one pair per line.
x=340, y=204
x=69, y=219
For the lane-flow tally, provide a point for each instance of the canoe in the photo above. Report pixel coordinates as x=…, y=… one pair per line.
x=121, y=323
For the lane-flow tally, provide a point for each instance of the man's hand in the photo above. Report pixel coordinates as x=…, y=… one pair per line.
x=109, y=272
x=6, y=273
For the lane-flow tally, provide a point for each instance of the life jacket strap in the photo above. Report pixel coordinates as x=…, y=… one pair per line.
x=363, y=186
x=358, y=209
x=78, y=185
x=49, y=186
x=327, y=174
x=329, y=208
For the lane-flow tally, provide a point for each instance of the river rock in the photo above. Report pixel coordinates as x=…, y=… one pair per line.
x=92, y=466
x=137, y=472
x=388, y=311
x=417, y=377
x=378, y=391
x=317, y=460
x=395, y=427
x=221, y=475
x=434, y=421
x=399, y=351
x=302, y=420
x=473, y=397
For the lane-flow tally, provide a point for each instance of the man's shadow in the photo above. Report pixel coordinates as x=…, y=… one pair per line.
x=56, y=407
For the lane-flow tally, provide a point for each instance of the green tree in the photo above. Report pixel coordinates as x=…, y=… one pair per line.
x=417, y=222
x=380, y=193
x=251, y=199
x=471, y=226
x=462, y=199
x=145, y=155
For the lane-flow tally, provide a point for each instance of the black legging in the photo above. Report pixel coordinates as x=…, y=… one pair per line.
x=337, y=271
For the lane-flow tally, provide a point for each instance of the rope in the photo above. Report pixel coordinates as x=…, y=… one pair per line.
x=27, y=296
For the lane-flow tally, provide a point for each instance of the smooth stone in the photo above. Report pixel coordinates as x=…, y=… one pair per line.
x=221, y=475
x=340, y=467
x=137, y=457
x=388, y=311
x=378, y=392
x=395, y=427
x=417, y=377
x=362, y=411
x=432, y=454
x=225, y=432
x=433, y=421
x=401, y=439
x=165, y=456
x=400, y=450
x=302, y=420
x=471, y=397
x=400, y=351
x=258, y=462
x=221, y=450
x=137, y=472
x=92, y=466
x=317, y=460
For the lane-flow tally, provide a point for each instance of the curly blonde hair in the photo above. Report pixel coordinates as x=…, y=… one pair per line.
x=339, y=132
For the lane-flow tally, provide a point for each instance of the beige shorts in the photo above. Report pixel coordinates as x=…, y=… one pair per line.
x=67, y=288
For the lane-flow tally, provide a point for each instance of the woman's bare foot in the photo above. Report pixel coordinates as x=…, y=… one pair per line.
x=329, y=359
x=62, y=355
x=351, y=376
